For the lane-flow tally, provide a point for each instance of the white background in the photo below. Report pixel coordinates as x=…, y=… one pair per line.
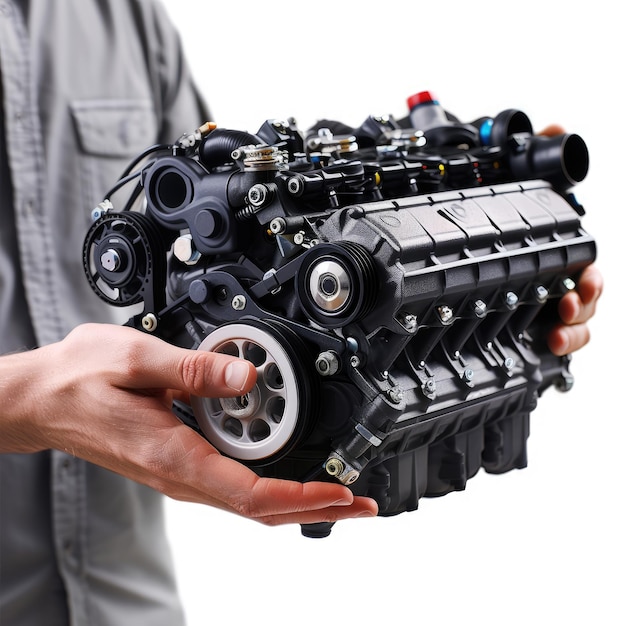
x=544, y=545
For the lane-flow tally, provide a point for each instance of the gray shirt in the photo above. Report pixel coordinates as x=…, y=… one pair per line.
x=85, y=85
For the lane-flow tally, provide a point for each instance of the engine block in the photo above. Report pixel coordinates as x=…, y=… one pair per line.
x=392, y=283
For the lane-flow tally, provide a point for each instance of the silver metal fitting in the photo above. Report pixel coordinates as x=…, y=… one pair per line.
x=239, y=302
x=480, y=308
x=278, y=226
x=149, y=322
x=396, y=395
x=445, y=314
x=185, y=251
x=511, y=299
x=258, y=195
x=327, y=363
x=340, y=470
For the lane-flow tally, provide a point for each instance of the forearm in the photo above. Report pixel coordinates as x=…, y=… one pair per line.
x=22, y=378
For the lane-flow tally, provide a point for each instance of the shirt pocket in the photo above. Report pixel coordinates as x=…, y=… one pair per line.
x=114, y=128
x=110, y=134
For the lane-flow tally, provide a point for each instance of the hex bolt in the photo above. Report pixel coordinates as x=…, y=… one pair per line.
x=239, y=302
x=468, y=375
x=327, y=363
x=185, y=251
x=396, y=395
x=355, y=361
x=295, y=186
x=509, y=363
x=278, y=226
x=410, y=322
x=511, y=299
x=480, y=308
x=569, y=284
x=430, y=386
x=445, y=314
x=541, y=293
x=258, y=195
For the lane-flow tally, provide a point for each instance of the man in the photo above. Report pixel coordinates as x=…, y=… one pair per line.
x=86, y=85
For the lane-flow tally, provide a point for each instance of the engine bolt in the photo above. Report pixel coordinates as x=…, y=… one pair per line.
x=239, y=303
x=111, y=260
x=327, y=363
x=569, y=284
x=542, y=293
x=445, y=314
x=258, y=195
x=149, y=322
x=410, y=322
x=396, y=395
x=278, y=226
x=480, y=308
x=295, y=186
x=334, y=467
x=430, y=386
x=185, y=251
x=511, y=299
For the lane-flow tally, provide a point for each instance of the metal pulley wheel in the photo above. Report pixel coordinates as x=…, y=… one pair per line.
x=267, y=422
x=337, y=283
x=122, y=252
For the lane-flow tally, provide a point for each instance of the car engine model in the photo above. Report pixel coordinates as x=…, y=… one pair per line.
x=392, y=284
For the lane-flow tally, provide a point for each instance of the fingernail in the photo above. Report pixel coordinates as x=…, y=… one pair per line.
x=236, y=375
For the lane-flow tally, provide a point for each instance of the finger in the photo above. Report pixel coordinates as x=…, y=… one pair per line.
x=577, y=307
x=553, y=130
x=361, y=507
x=284, y=502
x=564, y=339
x=153, y=363
x=269, y=500
x=590, y=284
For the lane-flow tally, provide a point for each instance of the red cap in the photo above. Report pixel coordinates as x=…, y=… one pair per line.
x=423, y=97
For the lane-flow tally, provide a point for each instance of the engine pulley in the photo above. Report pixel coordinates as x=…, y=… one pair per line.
x=121, y=254
x=264, y=424
x=337, y=283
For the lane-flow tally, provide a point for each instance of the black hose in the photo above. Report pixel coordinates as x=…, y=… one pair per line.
x=217, y=147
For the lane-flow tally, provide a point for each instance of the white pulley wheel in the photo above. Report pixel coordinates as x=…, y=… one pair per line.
x=261, y=423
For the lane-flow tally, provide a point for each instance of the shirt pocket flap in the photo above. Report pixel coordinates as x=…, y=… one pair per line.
x=114, y=128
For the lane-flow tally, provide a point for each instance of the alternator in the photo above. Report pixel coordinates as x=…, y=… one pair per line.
x=392, y=284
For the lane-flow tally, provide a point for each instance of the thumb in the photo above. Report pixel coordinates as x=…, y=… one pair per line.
x=210, y=374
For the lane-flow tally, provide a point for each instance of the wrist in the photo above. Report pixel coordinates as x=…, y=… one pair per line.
x=21, y=389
